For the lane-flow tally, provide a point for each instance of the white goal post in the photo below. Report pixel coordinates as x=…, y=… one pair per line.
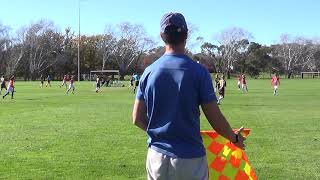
x=117, y=72
x=310, y=74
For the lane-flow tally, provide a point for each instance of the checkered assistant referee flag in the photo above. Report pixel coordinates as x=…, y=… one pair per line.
x=225, y=160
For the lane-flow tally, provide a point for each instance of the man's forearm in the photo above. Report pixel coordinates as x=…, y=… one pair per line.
x=139, y=115
x=218, y=121
x=222, y=126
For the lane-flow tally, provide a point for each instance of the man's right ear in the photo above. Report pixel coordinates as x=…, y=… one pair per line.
x=163, y=37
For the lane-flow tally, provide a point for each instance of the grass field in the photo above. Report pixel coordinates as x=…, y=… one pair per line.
x=46, y=134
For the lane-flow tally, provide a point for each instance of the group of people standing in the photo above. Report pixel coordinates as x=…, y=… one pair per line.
x=242, y=83
x=65, y=83
x=100, y=82
x=43, y=79
x=221, y=84
x=65, y=80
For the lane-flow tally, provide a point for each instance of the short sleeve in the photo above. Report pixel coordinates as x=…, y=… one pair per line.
x=141, y=88
x=207, y=93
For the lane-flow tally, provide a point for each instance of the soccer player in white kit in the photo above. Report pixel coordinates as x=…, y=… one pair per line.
x=98, y=84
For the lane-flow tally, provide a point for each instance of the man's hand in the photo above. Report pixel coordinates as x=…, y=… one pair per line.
x=221, y=125
x=239, y=142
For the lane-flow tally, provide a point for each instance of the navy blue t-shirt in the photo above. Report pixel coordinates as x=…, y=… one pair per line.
x=173, y=87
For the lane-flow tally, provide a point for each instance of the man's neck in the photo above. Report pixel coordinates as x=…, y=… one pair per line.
x=180, y=49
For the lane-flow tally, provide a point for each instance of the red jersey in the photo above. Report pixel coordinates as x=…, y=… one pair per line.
x=11, y=83
x=275, y=81
x=71, y=80
x=244, y=80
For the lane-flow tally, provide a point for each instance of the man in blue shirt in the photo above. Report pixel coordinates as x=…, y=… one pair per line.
x=167, y=108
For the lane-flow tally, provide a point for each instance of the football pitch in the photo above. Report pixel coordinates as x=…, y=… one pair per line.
x=46, y=134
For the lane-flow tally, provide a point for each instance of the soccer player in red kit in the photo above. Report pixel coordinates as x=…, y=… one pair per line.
x=71, y=85
x=239, y=82
x=10, y=88
x=64, y=81
x=244, y=83
x=275, y=82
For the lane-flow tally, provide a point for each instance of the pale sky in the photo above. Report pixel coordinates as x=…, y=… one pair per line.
x=266, y=20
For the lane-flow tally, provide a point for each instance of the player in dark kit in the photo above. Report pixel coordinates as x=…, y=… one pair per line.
x=3, y=84
x=216, y=80
x=222, y=86
x=48, y=81
x=136, y=78
x=98, y=84
x=42, y=79
x=131, y=81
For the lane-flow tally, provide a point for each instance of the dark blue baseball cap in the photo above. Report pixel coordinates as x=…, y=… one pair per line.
x=173, y=19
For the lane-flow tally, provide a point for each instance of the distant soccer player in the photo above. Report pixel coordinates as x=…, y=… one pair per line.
x=244, y=83
x=64, y=81
x=71, y=85
x=3, y=84
x=239, y=82
x=103, y=81
x=107, y=81
x=48, y=81
x=10, y=88
x=42, y=79
x=216, y=80
x=131, y=81
x=136, y=78
x=275, y=82
x=98, y=84
x=222, y=86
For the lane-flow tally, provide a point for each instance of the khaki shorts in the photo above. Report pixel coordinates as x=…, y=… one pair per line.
x=163, y=167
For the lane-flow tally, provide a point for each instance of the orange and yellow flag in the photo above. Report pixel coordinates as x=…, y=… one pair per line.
x=225, y=160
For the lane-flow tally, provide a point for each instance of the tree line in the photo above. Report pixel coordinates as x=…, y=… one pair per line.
x=39, y=49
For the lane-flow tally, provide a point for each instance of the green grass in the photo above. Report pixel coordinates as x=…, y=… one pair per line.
x=46, y=134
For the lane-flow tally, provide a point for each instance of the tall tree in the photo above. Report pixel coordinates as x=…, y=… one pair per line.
x=295, y=53
x=131, y=43
x=40, y=45
x=210, y=52
x=106, y=45
x=5, y=45
x=255, y=60
x=232, y=42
